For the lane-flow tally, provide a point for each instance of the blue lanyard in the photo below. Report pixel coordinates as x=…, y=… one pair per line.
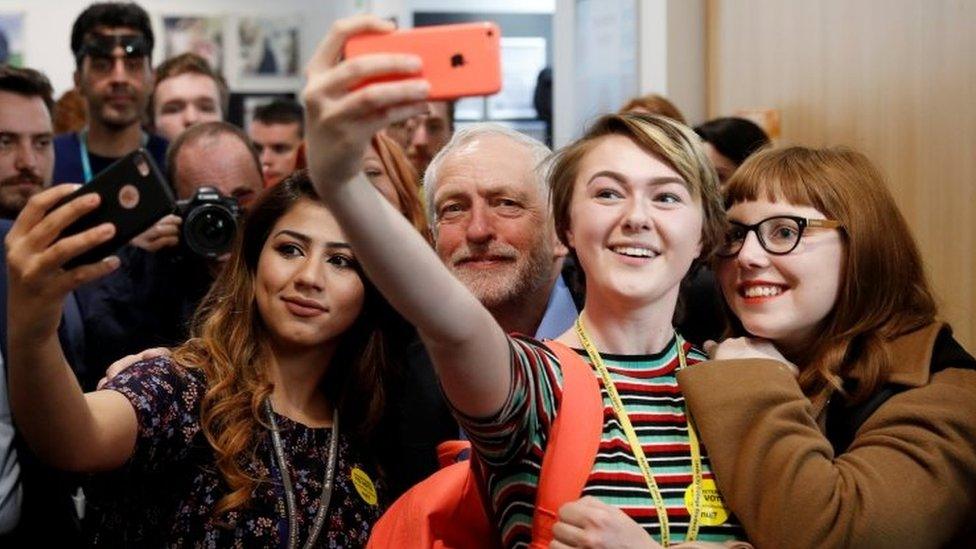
x=83, y=146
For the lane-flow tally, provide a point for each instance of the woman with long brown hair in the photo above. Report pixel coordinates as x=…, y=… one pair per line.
x=844, y=413
x=258, y=430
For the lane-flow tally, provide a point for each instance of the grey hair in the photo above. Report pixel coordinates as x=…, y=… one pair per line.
x=539, y=152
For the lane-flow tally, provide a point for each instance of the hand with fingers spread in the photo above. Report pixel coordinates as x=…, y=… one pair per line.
x=341, y=117
x=747, y=347
x=588, y=522
x=37, y=283
x=164, y=233
x=123, y=363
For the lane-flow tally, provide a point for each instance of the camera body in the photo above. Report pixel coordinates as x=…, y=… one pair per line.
x=209, y=222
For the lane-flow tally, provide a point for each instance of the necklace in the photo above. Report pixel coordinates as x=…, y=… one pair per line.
x=324, y=499
x=638, y=450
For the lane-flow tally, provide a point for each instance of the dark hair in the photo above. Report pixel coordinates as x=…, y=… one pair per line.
x=281, y=111
x=26, y=82
x=230, y=344
x=197, y=132
x=735, y=138
x=110, y=14
x=190, y=63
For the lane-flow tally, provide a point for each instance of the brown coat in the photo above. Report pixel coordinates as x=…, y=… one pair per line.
x=907, y=480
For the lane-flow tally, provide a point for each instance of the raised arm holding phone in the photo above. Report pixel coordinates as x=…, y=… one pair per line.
x=640, y=205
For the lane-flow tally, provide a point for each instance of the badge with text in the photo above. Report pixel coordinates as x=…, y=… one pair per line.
x=364, y=485
x=713, y=511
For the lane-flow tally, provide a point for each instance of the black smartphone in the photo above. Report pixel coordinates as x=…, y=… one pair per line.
x=134, y=196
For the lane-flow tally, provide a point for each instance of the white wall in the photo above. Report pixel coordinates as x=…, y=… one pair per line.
x=671, y=61
x=47, y=25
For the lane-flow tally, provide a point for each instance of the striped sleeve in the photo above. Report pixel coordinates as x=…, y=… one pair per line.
x=522, y=424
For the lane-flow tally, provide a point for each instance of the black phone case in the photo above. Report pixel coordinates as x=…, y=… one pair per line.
x=132, y=213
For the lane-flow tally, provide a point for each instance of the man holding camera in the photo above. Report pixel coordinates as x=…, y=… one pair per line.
x=112, y=43
x=150, y=299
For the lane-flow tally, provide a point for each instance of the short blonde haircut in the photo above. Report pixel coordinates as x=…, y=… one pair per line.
x=675, y=144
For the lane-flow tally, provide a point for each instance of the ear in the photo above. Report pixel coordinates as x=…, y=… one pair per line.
x=76, y=76
x=559, y=250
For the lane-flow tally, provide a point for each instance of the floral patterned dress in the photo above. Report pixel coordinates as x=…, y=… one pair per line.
x=166, y=493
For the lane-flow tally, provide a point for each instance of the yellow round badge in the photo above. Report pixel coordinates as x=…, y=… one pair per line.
x=364, y=485
x=713, y=511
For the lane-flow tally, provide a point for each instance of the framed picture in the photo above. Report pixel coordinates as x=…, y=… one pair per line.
x=12, y=38
x=268, y=47
x=203, y=36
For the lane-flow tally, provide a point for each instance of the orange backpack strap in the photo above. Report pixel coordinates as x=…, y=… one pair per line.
x=570, y=451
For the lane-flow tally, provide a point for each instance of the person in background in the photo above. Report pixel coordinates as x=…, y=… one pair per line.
x=840, y=372
x=258, y=431
x=424, y=135
x=70, y=112
x=654, y=104
x=26, y=134
x=34, y=499
x=277, y=131
x=729, y=141
x=188, y=91
x=112, y=43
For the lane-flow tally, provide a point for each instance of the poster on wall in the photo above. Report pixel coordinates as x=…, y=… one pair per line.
x=203, y=36
x=12, y=38
x=522, y=60
x=268, y=47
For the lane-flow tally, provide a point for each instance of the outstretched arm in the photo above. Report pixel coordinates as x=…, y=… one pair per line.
x=468, y=348
x=67, y=428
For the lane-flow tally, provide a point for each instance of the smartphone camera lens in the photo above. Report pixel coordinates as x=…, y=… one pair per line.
x=209, y=222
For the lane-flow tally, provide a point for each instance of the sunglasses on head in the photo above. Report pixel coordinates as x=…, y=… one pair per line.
x=103, y=46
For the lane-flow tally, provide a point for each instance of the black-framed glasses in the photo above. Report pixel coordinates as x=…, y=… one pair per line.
x=102, y=46
x=778, y=235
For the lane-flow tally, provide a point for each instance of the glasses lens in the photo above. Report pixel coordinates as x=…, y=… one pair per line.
x=103, y=45
x=734, y=238
x=780, y=234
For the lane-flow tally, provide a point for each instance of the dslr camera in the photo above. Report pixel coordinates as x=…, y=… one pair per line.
x=209, y=222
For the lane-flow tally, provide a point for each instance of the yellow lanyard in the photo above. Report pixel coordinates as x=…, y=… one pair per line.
x=635, y=445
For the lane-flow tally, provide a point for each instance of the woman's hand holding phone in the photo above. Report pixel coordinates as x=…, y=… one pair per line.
x=341, y=118
x=37, y=283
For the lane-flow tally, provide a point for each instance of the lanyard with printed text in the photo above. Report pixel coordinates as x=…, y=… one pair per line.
x=638, y=450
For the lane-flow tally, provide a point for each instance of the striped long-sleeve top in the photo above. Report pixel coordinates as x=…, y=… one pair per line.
x=512, y=443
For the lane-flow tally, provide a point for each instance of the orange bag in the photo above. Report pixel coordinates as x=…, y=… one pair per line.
x=449, y=510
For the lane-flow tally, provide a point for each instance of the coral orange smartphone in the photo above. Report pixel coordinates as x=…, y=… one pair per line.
x=458, y=60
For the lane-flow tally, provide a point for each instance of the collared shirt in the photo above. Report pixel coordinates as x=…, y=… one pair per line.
x=560, y=312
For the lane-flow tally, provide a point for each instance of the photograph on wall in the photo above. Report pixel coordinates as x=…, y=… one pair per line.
x=269, y=47
x=203, y=36
x=523, y=58
x=12, y=38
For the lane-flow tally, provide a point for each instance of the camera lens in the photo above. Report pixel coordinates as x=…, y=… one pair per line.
x=209, y=230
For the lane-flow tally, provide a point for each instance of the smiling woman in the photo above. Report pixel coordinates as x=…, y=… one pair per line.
x=871, y=431
x=259, y=430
